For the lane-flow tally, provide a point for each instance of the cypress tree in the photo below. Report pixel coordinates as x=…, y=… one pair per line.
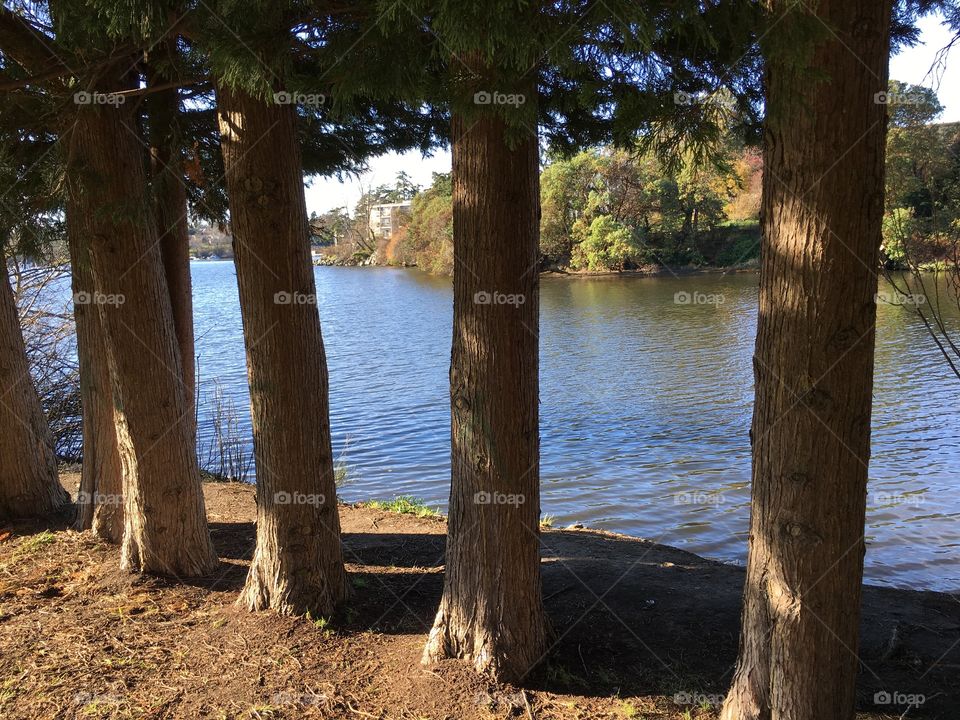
x=165, y=528
x=510, y=75
x=273, y=115
x=822, y=209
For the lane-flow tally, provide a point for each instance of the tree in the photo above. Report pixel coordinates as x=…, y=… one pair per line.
x=170, y=201
x=492, y=609
x=278, y=121
x=29, y=485
x=165, y=529
x=427, y=239
x=404, y=188
x=330, y=228
x=565, y=189
x=508, y=74
x=606, y=245
x=100, y=496
x=297, y=566
x=813, y=364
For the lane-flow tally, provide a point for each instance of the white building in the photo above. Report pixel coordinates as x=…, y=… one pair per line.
x=387, y=218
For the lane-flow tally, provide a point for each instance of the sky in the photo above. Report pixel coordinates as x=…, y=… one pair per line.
x=911, y=65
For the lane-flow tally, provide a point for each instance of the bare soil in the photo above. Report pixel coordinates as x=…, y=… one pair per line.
x=642, y=631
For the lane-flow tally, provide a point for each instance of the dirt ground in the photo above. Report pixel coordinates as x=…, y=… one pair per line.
x=642, y=631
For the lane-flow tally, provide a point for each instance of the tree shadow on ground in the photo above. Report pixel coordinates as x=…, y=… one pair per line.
x=632, y=617
x=629, y=617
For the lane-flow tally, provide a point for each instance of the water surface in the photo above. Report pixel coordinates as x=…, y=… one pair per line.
x=645, y=407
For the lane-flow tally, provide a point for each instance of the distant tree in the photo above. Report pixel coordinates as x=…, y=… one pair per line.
x=330, y=228
x=918, y=153
x=565, y=186
x=403, y=189
x=745, y=203
x=606, y=245
x=427, y=239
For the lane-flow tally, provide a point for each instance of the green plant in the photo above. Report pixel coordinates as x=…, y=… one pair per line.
x=405, y=505
x=606, y=245
x=36, y=542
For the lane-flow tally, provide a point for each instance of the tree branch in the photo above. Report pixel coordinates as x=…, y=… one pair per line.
x=21, y=42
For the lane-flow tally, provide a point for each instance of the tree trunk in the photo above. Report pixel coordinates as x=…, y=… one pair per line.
x=298, y=565
x=492, y=612
x=29, y=484
x=100, y=499
x=165, y=529
x=170, y=201
x=813, y=368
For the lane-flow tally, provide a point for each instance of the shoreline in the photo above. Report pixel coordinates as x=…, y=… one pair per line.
x=643, y=630
x=650, y=271
x=415, y=507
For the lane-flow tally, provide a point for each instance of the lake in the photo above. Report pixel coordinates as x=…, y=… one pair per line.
x=645, y=407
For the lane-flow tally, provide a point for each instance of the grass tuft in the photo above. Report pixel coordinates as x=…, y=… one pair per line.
x=405, y=505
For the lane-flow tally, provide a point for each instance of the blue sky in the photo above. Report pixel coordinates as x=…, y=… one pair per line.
x=913, y=66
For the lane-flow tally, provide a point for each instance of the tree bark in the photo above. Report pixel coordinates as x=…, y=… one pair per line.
x=170, y=201
x=813, y=366
x=29, y=484
x=298, y=565
x=100, y=499
x=165, y=529
x=492, y=611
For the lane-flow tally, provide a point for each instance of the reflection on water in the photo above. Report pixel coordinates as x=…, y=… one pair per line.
x=645, y=407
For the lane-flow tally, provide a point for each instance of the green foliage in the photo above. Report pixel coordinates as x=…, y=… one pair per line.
x=565, y=187
x=606, y=209
x=922, y=217
x=612, y=210
x=898, y=227
x=427, y=241
x=606, y=245
x=31, y=175
x=736, y=243
x=405, y=505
